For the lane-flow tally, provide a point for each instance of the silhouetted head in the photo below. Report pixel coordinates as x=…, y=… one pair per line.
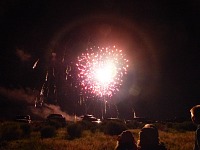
x=126, y=137
x=126, y=141
x=148, y=136
x=195, y=114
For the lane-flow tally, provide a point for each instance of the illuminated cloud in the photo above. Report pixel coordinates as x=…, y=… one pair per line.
x=23, y=55
x=20, y=95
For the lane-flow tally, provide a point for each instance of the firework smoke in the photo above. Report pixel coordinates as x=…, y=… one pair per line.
x=27, y=97
x=23, y=55
x=20, y=95
x=51, y=109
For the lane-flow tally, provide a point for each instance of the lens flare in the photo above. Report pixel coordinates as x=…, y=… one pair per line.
x=100, y=71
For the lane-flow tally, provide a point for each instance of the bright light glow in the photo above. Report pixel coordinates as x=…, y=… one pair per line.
x=100, y=70
x=105, y=73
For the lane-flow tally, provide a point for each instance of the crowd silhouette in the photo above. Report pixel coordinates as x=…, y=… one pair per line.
x=149, y=136
x=148, y=140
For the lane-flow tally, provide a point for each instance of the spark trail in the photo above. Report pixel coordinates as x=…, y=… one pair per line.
x=35, y=64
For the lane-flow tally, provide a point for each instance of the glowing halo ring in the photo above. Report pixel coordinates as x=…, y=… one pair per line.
x=145, y=50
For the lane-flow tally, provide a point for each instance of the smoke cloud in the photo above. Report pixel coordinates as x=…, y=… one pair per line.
x=23, y=55
x=47, y=109
x=20, y=95
x=17, y=97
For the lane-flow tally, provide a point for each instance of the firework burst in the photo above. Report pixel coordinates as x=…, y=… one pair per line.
x=100, y=71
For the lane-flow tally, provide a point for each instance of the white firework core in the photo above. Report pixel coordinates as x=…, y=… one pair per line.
x=100, y=70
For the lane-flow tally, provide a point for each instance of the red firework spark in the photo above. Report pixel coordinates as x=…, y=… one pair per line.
x=100, y=70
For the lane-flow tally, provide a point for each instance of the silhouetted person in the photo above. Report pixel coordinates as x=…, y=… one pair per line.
x=195, y=116
x=126, y=141
x=149, y=138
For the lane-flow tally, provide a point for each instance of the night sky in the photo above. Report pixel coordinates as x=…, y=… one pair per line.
x=160, y=38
